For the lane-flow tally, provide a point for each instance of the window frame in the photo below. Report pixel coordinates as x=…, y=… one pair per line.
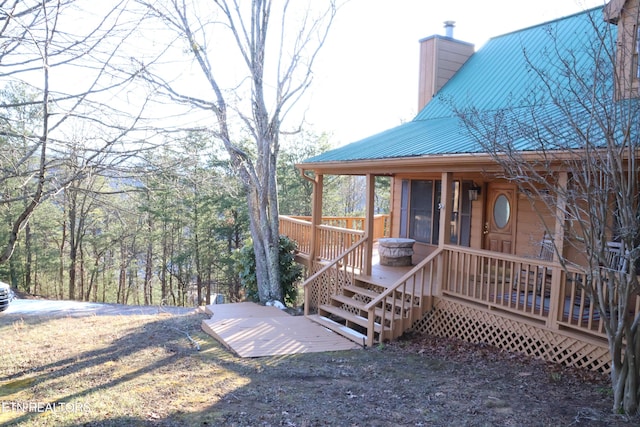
x=429, y=206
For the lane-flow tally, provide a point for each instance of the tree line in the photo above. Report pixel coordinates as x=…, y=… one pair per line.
x=161, y=230
x=111, y=83
x=127, y=174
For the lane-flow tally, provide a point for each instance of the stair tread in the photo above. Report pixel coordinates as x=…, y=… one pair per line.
x=350, y=317
x=361, y=291
x=373, y=294
x=349, y=301
x=343, y=299
x=338, y=328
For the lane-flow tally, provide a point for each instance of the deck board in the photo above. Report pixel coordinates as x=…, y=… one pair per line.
x=385, y=276
x=253, y=330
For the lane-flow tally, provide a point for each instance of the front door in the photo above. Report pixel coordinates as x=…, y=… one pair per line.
x=500, y=225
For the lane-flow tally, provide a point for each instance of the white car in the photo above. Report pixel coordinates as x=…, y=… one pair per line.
x=6, y=295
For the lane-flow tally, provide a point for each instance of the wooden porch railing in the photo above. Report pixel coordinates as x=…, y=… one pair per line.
x=540, y=290
x=332, y=241
x=353, y=223
x=333, y=276
x=298, y=230
x=381, y=223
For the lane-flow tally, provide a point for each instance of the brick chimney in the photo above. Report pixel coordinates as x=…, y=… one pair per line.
x=440, y=58
x=624, y=14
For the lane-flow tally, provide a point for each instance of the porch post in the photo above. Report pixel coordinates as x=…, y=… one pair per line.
x=557, y=294
x=368, y=231
x=446, y=210
x=316, y=217
x=444, y=235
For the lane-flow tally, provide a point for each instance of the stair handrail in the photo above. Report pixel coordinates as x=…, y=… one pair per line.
x=404, y=278
x=370, y=307
x=324, y=269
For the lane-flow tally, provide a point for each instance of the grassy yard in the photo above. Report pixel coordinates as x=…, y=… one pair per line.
x=68, y=371
x=146, y=370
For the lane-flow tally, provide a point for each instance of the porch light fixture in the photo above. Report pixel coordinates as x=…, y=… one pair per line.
x=474, y=192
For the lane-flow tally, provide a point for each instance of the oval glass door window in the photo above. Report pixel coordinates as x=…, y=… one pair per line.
x=501, y=211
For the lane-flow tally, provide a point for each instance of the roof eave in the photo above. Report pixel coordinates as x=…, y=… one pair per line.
x=456, y=163
x=444, y=162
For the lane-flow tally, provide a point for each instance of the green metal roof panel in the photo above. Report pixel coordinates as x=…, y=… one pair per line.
x=495, y=78
x=416, y=138
x=498, y=75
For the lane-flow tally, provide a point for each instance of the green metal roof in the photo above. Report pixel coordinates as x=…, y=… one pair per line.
x=496, y=78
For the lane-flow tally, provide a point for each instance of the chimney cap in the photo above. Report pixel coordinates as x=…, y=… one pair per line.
x=448, y=25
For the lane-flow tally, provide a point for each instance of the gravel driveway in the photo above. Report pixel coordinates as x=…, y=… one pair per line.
x=54, y=308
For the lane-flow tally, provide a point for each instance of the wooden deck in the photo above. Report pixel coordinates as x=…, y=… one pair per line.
x=527, y=305
x=385, y=276
x=252, y=330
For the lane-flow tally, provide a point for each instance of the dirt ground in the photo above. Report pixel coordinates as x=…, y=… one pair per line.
x=162, y=370
x=421, y=381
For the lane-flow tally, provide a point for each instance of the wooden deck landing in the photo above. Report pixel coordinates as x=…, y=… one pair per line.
x=253, y=330
x=385, y=276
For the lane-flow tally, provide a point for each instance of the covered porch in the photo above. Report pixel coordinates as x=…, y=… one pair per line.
x=533, y=288
x=526, y=303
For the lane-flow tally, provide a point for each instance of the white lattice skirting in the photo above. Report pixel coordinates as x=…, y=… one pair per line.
x=454, y=320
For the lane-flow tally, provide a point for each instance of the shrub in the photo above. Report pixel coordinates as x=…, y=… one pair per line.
x=290, y=271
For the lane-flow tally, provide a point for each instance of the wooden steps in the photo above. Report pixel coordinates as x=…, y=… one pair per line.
x=356, y=290
x=346, y=313
x=349, y=318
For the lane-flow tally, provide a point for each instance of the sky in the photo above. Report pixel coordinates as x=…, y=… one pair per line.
x=367, y=78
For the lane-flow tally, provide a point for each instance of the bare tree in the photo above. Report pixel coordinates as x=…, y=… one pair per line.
x=65, y=53
x=254, y=62
x=575, y=138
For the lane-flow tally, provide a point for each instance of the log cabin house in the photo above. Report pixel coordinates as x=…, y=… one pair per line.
x=474, y=234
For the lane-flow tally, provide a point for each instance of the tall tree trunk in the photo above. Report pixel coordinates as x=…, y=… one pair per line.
x=91, y=293
x=298, y=37
x=132, y=288
x=14, y=278
x=61, y=267
x=198, y=267
x=104, y=285
x=28, y=250
x=122, y=275
x=34, y=291
x=164, y=291
x=265, y=248
x=148, y=275
x=73, y=244
x=82, y=273
x=148, y=271
x=208, y=295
